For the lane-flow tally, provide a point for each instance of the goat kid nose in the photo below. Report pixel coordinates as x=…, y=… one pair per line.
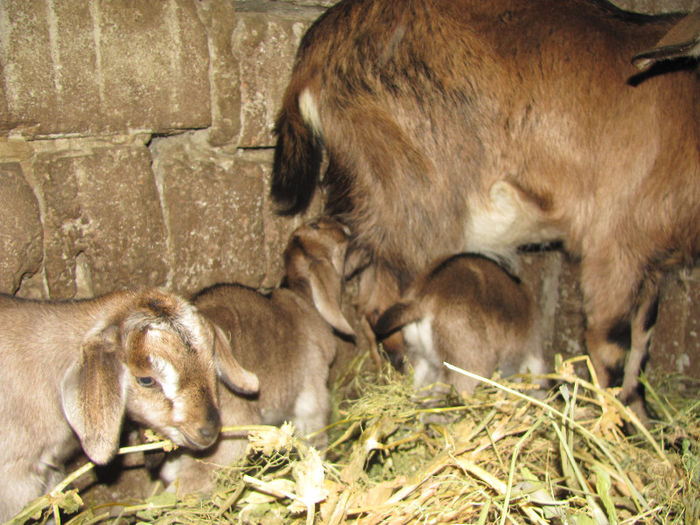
x=209, y=432
x=213, y=425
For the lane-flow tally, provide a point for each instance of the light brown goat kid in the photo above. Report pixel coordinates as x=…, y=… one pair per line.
x=70, y=372
x=286, y=337
x=469, y=126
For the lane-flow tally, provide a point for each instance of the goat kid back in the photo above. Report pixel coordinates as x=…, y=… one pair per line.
x=467, y=311
x=468, y=126
x=74, y=369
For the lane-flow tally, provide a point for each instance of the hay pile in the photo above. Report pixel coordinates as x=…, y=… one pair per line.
x=499, y=456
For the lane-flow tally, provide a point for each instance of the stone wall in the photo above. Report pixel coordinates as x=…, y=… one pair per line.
x=135, y=144
x=135, y=148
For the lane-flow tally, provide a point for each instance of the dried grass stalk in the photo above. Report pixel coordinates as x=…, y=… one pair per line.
x=498, y=456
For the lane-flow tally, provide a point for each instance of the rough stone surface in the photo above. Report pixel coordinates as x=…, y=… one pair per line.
x=675, y=345
x=85, y=68
x=220, y=20
x=265, y=40
x=20, y=228
x=214, y=215
x=220, y=226
x=103, y=225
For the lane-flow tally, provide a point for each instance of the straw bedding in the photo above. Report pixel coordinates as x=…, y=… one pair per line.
x=499, y=456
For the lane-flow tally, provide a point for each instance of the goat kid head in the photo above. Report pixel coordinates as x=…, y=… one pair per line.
x=314, y=262
x=156, y=360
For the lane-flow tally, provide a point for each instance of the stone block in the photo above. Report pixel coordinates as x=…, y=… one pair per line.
x=219, y=18
x=675, y=344
x=103, y=225
x=220, y=221
x=20, y=228
x=553, y=277
x=265, y=41
x=85, y=68
x=213, y=208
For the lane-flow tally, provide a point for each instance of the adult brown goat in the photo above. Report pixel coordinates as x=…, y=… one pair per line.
x=464, y=125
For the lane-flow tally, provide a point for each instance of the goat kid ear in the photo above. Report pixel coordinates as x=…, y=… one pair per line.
x=93, y=393
x=325, y=286
x=356, y=260
x=230, y=371
x=683, y=40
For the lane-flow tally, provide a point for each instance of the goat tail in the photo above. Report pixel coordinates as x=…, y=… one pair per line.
x=396, y=317
x=298, y=152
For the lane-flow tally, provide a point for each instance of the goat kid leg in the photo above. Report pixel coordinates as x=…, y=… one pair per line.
x=17, y=487
x=311, y=413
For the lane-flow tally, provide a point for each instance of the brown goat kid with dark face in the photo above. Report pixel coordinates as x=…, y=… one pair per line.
x=467, y=311
x=470, y=126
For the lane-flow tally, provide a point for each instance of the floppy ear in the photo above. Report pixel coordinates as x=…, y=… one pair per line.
x=230, y=371
x=93, y=393
x=356, y=260
x=683, y=40
x=325, y=283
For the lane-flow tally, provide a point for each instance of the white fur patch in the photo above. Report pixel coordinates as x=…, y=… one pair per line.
x=190, y=319
x=170, y=469
x=169, y=378
x=533, y=364
x=420, y=350
x=507, y=221
x=309, y=411
x=309, y=112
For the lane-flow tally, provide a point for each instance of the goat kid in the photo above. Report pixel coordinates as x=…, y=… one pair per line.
x=74, y=369
x=467, y=126
x=467, y=311
x=286, y=338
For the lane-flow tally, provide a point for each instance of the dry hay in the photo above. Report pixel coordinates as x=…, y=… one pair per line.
x=498, y=456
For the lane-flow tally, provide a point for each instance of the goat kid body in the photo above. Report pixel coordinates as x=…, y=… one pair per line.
x=286, y=338
x=469, y=312
x=70, y=371
x=454, y=126
x=286, y=342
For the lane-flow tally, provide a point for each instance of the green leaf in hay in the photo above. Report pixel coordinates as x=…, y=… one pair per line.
x=164, y=499
x=71, y=502
x=602, y=487
x=156, y=503
x=583, y=519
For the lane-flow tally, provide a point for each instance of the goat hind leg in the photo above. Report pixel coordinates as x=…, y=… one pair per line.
x=620, y=314
x=642, y=326
x=608, y=288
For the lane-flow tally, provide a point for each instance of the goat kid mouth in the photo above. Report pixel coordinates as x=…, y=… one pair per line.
x=181, y=438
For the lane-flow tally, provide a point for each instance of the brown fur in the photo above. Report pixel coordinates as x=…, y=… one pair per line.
x=467, y=311
x=70, y=371
x=379, y=289
x=286, y=338
x=463, y=125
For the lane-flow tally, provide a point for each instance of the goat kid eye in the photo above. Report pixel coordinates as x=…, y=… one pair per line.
x=146, y=382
